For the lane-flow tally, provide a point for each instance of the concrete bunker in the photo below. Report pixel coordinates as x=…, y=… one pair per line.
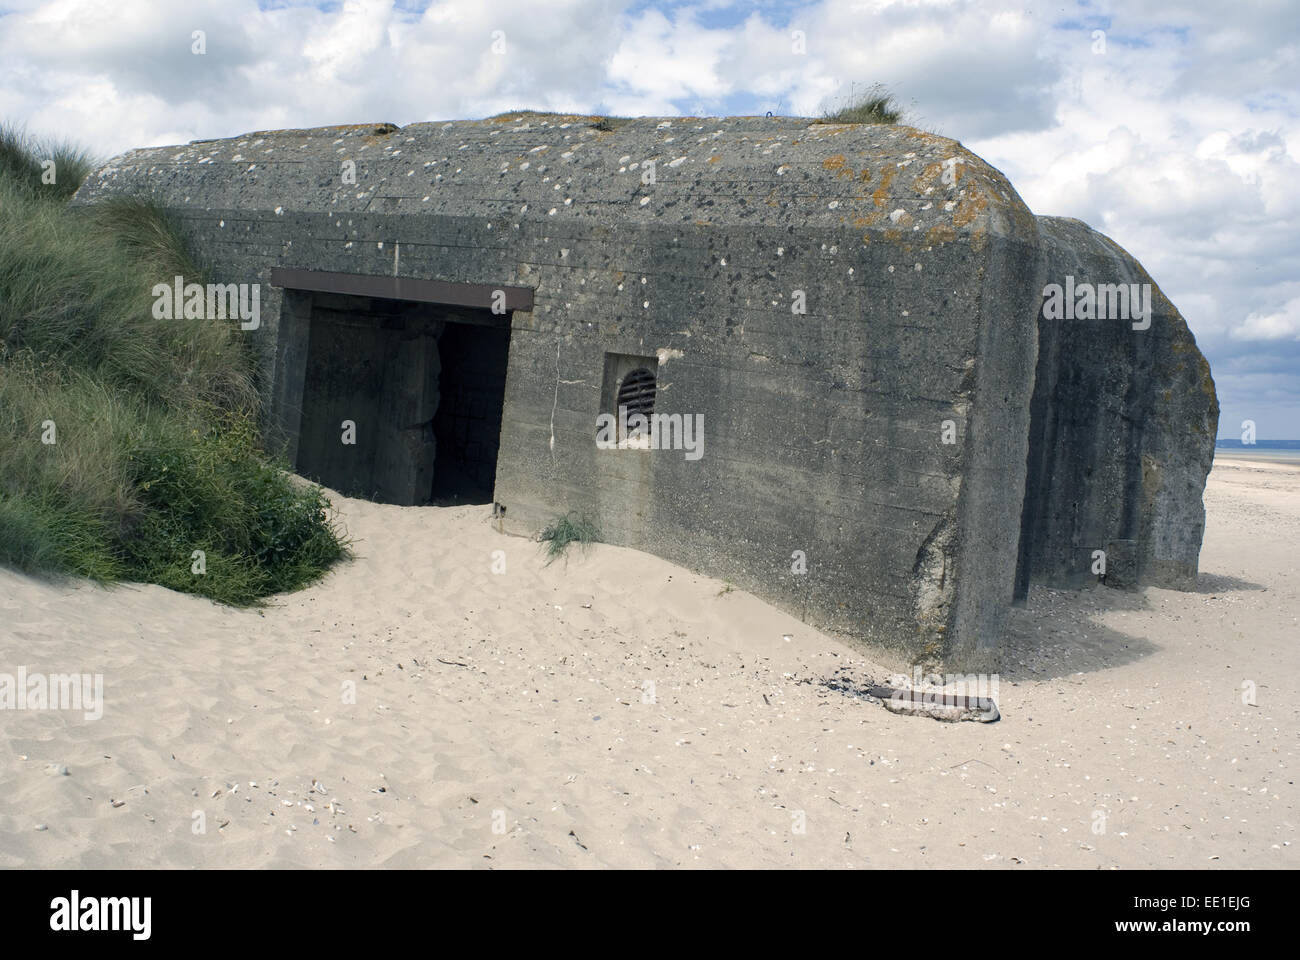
x=897, y=439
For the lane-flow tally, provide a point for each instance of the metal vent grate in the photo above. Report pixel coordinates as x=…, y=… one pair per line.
x=637, y=393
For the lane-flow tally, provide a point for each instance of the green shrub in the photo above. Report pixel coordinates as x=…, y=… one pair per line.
x=260, y=531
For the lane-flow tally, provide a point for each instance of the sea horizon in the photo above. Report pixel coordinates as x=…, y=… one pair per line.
x=1258, y=451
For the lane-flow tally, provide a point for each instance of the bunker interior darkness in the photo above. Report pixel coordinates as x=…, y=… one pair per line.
x=402, y=401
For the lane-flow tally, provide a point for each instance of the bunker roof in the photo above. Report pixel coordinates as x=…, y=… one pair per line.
x=885, y=180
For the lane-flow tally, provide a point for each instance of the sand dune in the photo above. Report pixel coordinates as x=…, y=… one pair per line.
x=615, y=710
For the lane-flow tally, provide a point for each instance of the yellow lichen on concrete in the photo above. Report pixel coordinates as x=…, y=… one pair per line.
x=834, y=162
x=926, y=178
x=881, y=193
x=971, y=206
x=930, y=138
x=942, y=233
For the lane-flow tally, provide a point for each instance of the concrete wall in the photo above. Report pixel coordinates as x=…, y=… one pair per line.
x=918, y=267
x=1124, y=422
x=822, y=432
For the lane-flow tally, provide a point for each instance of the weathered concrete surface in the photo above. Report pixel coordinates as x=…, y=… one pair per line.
x=826, y=484
x=1124, y=422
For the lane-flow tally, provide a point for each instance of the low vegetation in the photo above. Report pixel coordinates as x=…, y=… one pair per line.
x=562, y=531
x=128, y=444
x=25, y=163
x=875, y=106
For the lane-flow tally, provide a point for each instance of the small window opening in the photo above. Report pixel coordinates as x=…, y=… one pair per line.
x=627, y=393
x=637, y=394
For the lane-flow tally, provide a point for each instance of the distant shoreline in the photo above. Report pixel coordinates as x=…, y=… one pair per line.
x=1232, y=443
x=1286, y=458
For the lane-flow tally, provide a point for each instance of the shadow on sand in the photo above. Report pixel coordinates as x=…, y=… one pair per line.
x=1219, y=583
x=1057, y=633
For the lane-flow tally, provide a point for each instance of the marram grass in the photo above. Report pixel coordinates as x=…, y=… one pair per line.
x=565, y=530
x=876, y=105
x=128, y=448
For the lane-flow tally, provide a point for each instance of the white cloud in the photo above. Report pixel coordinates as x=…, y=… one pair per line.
x=665, y=61
x=1282, y=325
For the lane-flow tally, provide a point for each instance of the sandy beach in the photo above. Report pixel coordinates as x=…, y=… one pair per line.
x=615, y=710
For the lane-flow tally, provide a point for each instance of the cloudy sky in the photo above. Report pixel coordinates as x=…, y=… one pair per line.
x=1176, y=130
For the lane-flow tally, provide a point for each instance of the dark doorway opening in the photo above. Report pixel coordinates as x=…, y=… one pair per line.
x=402, y=401
x=467, y=427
